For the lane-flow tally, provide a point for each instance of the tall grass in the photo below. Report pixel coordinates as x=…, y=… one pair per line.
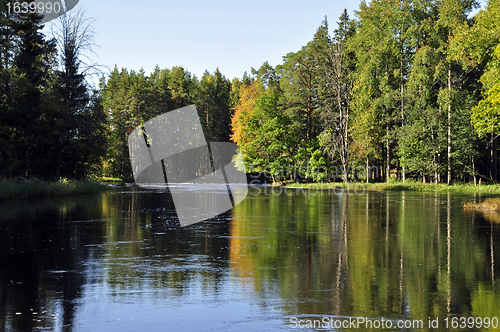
x=489, y=204
x=408, y=185
x=21, y=188
x=109, y=179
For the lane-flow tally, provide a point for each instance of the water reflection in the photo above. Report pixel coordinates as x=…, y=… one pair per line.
x=43, y=249
x=119, y=261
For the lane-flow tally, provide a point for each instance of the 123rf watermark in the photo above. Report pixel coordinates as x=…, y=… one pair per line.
x=382, y=323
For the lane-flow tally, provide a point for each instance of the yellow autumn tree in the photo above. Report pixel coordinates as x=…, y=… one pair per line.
x=243, y=112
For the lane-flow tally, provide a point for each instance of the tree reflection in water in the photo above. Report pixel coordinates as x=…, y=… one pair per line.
x=395, y=255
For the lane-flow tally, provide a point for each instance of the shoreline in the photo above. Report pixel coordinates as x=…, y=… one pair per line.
x=398, y=186
x=20, y=188
x=490, y=204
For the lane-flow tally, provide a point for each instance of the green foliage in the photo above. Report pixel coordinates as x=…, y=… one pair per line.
x=51, y=124
x=383, y=46
x=301, y=79
x=486, y=115
x=318, y=166
x=387, y=89
x=412, y=87
x=336, y=93
x=20, y=188
x=132, y=98
x=214, y=106
x=270, y=149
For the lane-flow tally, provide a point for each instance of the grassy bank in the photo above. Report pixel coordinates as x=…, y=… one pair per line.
x=489, y=204
x=108, y=179
x=20, y=188
x=408, y=185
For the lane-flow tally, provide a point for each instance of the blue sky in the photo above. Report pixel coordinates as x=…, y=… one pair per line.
x=203, y=35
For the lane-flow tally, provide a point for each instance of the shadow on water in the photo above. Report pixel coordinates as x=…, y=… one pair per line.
x=51, y=248
x=40, y=259
x=119, y=261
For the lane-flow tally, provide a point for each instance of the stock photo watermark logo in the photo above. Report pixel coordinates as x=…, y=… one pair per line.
x=48, y=9
x=170, y=151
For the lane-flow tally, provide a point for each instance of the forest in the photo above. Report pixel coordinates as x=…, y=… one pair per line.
x=403, y=90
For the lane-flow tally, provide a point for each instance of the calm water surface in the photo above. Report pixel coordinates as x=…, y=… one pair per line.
x=117, y=261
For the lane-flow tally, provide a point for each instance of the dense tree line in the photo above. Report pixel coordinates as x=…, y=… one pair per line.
x=406, y=89
x=51, y=122
x=131, y=98
x=409, y=86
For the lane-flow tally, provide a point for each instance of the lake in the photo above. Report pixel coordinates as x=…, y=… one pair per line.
x=281, y=260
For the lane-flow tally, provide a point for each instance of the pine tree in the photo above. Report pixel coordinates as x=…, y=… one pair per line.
x=26, y=119
x=214, y=106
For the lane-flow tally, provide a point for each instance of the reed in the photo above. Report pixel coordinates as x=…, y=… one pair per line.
x=22, y=188
x=489, y=204
x=398, y=186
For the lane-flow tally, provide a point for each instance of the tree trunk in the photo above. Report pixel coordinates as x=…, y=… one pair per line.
x=345, y=146
x=309, y=118
x=495, y=160
x=368, y=171
x=76, y=164
x=434, y=158
x=379, y=174
x=474, y=171
x=448, y=181
x=388, y=156
x=403, y=171
x=28, y=160
x=439, y=155
x=493, y=164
